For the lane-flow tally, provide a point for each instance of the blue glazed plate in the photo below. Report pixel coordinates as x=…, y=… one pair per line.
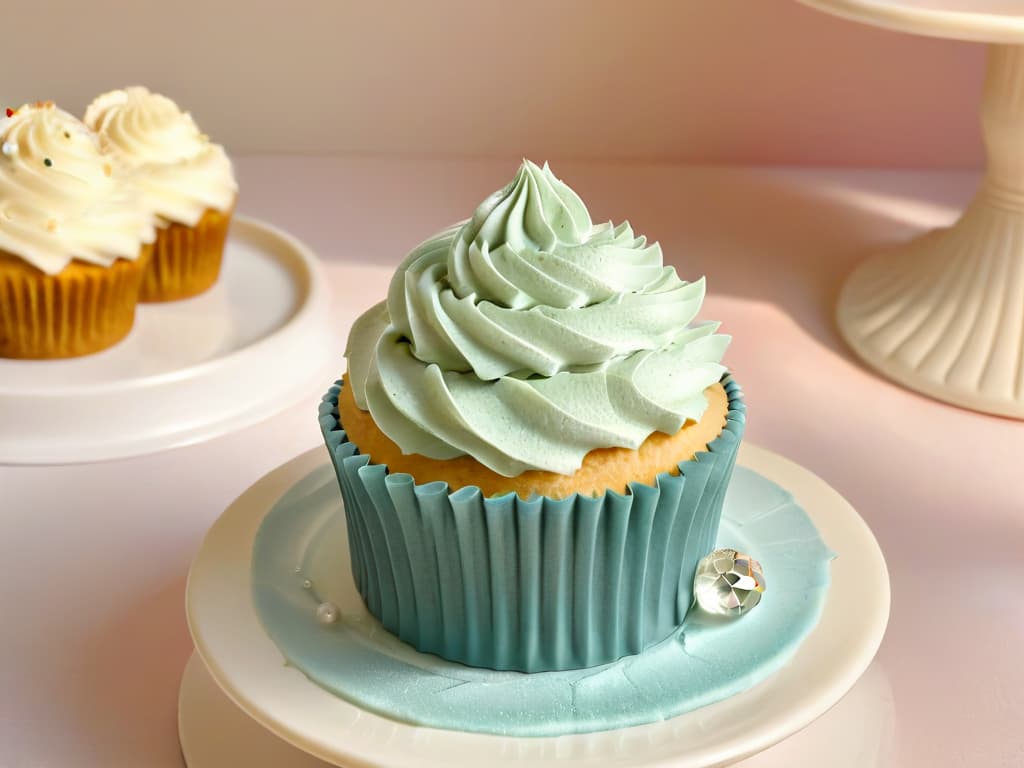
x=714, y=692
x=300, y=560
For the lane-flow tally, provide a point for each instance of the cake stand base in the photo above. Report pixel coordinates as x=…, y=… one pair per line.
x=215, y=733
x=944, y=314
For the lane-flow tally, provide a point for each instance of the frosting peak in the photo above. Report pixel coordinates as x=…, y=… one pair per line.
x=147, y=126
x=535, y=212
x=181, y=173
x=528, y=336
x=533, y=244
x=61, y=198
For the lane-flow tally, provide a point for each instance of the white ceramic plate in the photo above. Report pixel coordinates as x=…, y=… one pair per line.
x=185, y=372
x=249, y=667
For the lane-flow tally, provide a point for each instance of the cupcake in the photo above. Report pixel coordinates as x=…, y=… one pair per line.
x=74, y=239
x=533, y=440
x=187, y=183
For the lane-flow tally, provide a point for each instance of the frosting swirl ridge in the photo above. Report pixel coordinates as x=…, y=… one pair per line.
x=528, y=336
x=180, y=171
x=60, y=197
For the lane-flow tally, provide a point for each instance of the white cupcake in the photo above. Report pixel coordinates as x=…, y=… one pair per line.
x=187, y=183
x=75, y=238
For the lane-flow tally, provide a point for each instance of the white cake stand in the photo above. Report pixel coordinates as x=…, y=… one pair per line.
x=944, y=314
x=241, y=704
x=182, y=375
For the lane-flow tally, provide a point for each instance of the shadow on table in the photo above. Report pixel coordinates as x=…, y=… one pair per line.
x=789, y=241
x=125, y=693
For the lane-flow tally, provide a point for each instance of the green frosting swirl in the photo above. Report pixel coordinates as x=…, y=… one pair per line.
x=528, y=336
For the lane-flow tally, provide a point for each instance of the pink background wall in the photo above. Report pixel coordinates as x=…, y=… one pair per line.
x=734, y=81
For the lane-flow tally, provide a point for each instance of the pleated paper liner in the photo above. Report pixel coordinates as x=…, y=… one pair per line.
x=186, y=260
x=530, y=585
x=85, y=308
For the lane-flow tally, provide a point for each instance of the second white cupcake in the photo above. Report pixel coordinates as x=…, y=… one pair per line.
x=186, y=180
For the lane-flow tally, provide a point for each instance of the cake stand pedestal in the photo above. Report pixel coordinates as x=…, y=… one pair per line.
x=944, y=314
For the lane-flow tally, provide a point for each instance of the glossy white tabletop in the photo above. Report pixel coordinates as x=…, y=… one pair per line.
x=92, y=634
x=984, y=21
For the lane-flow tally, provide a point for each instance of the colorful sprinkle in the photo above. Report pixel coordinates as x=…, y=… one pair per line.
x=10, y=112
x=47, y=162
x=9, y=148
x=67, y=135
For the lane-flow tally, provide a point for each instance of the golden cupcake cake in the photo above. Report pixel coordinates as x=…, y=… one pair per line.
x=75, y=238
x=533, y=438
x=187, y=182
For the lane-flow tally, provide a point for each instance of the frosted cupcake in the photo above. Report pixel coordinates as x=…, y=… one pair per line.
x=187, y=183
x=532, y=440
x=74, y=238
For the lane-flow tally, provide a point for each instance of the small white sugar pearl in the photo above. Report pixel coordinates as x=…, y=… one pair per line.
x=327, y=613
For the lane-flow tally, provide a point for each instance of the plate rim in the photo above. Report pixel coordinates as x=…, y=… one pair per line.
x=309, y=321
x=311, y=293
x=242, y=518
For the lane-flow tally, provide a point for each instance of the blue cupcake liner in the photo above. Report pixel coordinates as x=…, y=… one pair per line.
x=530, y=585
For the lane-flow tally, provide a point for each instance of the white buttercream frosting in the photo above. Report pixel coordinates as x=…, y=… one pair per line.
x=181, y=172
x=61, y=198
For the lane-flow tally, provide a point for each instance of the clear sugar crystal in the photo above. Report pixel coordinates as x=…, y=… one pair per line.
x=728, y=583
